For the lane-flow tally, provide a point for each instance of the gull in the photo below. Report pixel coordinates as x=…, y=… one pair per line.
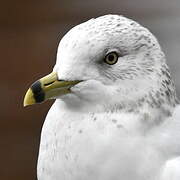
x=116, y=114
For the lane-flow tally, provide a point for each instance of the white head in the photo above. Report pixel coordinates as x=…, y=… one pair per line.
x=119, y=63
x=140, y=70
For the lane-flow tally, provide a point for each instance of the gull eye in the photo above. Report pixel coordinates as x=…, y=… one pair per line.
x=111, y=58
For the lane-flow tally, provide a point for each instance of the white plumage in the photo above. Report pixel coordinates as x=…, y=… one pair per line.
x=122, y=121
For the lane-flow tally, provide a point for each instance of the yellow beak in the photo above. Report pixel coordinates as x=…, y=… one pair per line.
x=47, y=87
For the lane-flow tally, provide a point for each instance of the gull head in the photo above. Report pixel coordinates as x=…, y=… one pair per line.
x=110, y=61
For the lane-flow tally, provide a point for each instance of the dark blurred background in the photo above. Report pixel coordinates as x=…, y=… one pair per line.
x=29, y=35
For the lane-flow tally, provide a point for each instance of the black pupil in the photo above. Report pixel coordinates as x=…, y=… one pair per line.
x=111, y=57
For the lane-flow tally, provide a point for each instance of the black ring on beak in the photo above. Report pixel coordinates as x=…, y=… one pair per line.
x=38, y=92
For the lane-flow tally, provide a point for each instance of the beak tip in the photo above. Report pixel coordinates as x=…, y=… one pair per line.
x=29, y=98
x=25, y=104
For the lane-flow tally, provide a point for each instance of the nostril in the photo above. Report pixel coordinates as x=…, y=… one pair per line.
x=47, y=84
